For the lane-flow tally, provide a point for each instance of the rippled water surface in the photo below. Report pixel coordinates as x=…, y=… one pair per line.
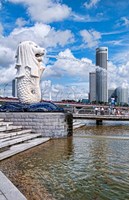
x=84, y=167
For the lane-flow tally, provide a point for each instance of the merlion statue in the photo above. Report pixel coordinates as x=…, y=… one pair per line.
x=29, y=70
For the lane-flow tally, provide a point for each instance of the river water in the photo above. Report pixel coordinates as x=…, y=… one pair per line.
x=91, y=165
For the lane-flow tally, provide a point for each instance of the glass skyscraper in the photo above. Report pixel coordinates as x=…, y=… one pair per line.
x=101, y=74
x=92, y=87
x=122, y=95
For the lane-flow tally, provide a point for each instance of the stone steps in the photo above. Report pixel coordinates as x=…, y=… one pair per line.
x=15, y=139
x=9, y=128
x=15, y=149
x=14, y=133
x=2, y=123
x=5, y=143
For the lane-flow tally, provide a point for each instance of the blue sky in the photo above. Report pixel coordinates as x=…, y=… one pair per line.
x=70, y=28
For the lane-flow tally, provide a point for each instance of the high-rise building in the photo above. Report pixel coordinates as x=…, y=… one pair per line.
x=122, y=95
x=111, y=94
x=92, y=86
x=14, y=87
x=101, y=74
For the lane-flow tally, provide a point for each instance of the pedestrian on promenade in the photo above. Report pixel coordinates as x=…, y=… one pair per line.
x=109, y=111
x=102, y=111
x=96, y=110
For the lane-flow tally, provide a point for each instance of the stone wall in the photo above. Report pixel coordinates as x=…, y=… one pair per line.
x=49, y=124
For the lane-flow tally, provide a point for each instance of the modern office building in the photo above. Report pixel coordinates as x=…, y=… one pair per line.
x=92, y=87
x=122, y=95
x=111, y=94
x=14, y=87
x=101, y=74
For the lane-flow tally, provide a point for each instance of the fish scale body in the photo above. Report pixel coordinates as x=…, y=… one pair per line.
x=28, y=88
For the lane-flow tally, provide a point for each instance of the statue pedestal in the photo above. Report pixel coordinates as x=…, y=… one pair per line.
x=49, y=124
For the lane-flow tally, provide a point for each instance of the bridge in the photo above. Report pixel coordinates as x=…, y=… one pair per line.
x=100, y=118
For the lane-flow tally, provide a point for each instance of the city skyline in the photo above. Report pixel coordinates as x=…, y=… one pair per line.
x=66, y=29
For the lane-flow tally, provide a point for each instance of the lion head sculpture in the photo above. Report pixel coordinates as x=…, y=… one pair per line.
x=29, y=55
x=29, y=70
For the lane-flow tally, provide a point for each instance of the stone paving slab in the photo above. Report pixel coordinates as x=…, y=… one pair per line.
x=77, y=124
x=22, y=147
x=9, y=128
x=4, y=143
x=15, y=137
x=8, y=191
x=6, y=123
x=2, y=197
x=14, y=133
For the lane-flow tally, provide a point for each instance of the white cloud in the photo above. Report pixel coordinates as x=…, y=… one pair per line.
x=81, y=18
x=7, y=56
x=36, y=33
x=20, y=22
x=79, y=70
x=92, y=3
x=45, y=11
x=68, y=66
x=61, y=38
x=7, y=74
x=90, y=37
x=113, y=32
x=1, y=29
x=121, y=57
x=87, y=18
x=115, y=42
x=118, y=75
x=43, y=35
x=124, y=21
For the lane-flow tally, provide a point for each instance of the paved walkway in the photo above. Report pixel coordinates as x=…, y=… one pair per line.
x=8, y=191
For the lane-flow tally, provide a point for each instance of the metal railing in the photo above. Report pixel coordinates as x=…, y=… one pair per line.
x=99, y=112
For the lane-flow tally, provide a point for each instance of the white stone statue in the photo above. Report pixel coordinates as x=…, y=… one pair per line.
x=29, y=71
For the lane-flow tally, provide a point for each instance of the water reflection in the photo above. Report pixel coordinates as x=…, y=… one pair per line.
x=108, y=128
x=77, y=168
x=32, y=170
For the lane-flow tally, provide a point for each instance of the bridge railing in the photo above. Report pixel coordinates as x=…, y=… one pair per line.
x=100, y=112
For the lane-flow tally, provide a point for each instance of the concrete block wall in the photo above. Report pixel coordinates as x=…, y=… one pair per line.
x=49, y=124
